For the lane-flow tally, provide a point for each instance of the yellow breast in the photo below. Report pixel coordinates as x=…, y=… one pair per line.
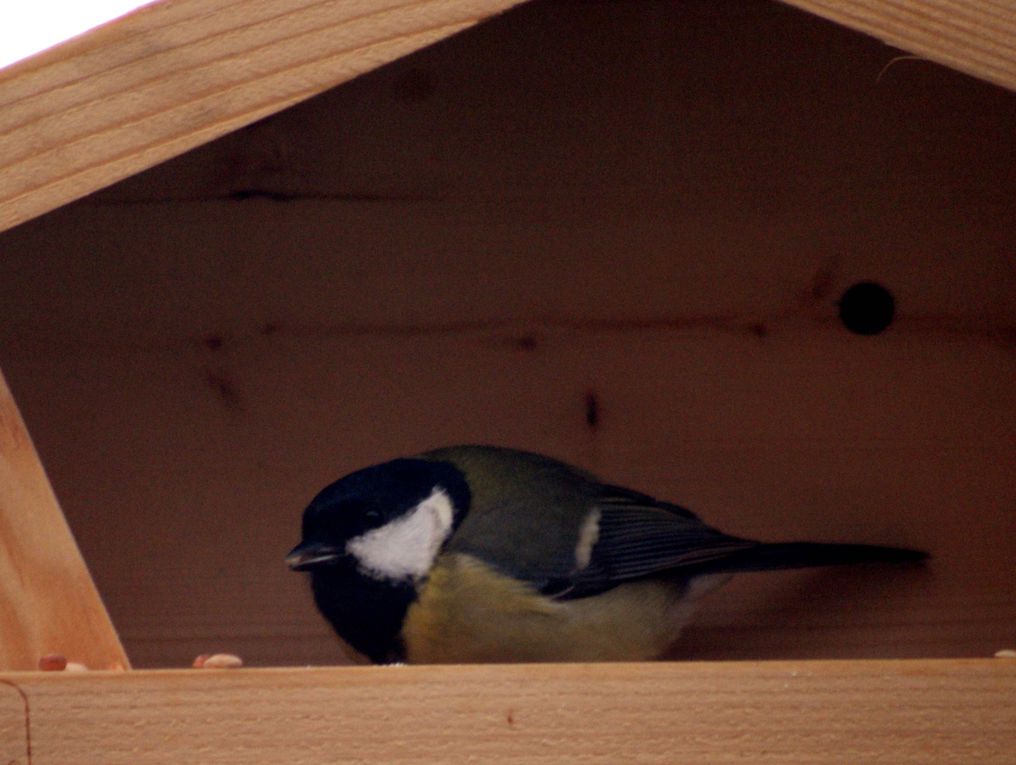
x=468, y=612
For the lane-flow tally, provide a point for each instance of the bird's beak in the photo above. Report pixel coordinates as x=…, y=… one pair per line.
x=308, y=555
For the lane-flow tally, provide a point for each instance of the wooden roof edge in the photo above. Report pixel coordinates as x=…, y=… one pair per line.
x=171, y=76
x=977, y=37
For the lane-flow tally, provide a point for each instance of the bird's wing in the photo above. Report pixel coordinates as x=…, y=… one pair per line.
x=637, y=536
x=568, y=535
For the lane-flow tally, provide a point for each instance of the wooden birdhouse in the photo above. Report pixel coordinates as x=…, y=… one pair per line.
x=753, y=258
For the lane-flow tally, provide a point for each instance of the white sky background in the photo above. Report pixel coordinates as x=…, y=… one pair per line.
x=30, y=26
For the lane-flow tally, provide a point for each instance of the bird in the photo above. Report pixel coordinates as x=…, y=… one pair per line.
x=485, y=554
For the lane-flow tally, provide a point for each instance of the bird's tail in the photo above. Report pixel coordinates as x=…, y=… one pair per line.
x=784, y=555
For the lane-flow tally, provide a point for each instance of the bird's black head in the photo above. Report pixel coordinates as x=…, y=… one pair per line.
x=382, y=515
x=370, y=538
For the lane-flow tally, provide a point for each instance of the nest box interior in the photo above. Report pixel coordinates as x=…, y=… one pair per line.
x=626, y=234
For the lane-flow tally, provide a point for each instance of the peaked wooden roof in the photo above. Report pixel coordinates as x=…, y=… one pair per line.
x=176, y=74
x=973, y=36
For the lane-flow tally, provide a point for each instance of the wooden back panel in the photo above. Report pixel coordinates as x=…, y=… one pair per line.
x=613, y=232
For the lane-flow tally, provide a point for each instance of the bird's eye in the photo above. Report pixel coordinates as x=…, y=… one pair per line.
x=373, y=515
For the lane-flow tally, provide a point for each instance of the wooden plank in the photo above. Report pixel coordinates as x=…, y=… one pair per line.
x=48, y=603
x=173, y=75
x=722, y=108
x=720, y=191
x=903, y=439
x=14, y=746
x=780, y=712
x=978, y=38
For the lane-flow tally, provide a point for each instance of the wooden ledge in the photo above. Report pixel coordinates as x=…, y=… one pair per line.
x=806, y=711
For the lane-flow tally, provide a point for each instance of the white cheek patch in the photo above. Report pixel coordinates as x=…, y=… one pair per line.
x=405, y=548
x=589, y=534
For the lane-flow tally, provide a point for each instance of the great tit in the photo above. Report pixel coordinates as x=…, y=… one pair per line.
x=487, y=554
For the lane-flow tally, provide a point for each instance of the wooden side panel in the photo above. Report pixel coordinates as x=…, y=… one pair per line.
x=48, y=603
x=175, y=75
x=978, y=38
x=820, y=712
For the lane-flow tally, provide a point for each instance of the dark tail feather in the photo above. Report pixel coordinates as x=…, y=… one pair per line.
x=781, y=555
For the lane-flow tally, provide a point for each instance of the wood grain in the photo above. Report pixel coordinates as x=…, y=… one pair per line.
x=174, y=75
x=196, y=495
x=14, y=736
x=48, y=603
x=816, y=712
x=978, y=38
